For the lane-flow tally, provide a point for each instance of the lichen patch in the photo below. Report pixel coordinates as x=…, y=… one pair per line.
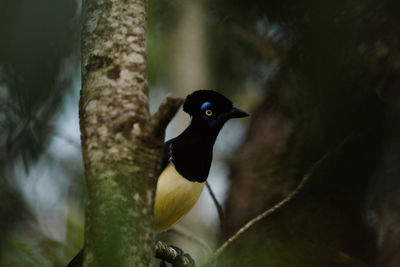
x=92, y=105
x=135, y=57
x=91, y=22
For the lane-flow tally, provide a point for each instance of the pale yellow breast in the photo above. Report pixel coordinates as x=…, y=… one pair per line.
x=175, y=196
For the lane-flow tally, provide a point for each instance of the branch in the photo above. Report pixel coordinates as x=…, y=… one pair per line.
x=265, y=213
x=164, y=114
x=268, y=212
x=221, y=214
x=173, y=255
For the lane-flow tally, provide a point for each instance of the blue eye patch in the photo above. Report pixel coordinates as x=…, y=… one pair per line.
x=205, y=106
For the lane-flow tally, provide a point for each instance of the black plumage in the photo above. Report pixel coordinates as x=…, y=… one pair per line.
x=191, y=151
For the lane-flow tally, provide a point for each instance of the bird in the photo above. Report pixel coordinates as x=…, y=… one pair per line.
x=187, y=158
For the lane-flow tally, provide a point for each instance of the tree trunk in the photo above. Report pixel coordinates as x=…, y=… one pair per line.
x=121, y=141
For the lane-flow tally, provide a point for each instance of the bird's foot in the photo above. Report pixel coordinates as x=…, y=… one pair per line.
x=172, y=254
x=183, y=259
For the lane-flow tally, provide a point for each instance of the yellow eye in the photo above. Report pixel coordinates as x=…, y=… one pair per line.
x=208, y=112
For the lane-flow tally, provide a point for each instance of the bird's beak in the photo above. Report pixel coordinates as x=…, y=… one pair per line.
x=236, y=113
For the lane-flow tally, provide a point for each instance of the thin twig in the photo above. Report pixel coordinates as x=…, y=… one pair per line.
x=220, y=210
x=264, y=214
x=268, y=212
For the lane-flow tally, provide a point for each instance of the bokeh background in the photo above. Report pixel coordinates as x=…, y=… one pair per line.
x=316, y=77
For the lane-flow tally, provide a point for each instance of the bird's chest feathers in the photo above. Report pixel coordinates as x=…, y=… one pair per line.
x=175, y=196
x=192, y=156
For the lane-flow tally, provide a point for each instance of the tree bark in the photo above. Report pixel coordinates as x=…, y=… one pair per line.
x=121, y=141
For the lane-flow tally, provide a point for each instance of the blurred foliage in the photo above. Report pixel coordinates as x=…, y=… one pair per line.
x=38, y=57
x=233, y=61
x=337, y=76
x=162, y=16
x=335, y=57
x=37, y=37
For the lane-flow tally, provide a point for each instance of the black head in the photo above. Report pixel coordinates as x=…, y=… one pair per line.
x=210, y=110
x=191, y=151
